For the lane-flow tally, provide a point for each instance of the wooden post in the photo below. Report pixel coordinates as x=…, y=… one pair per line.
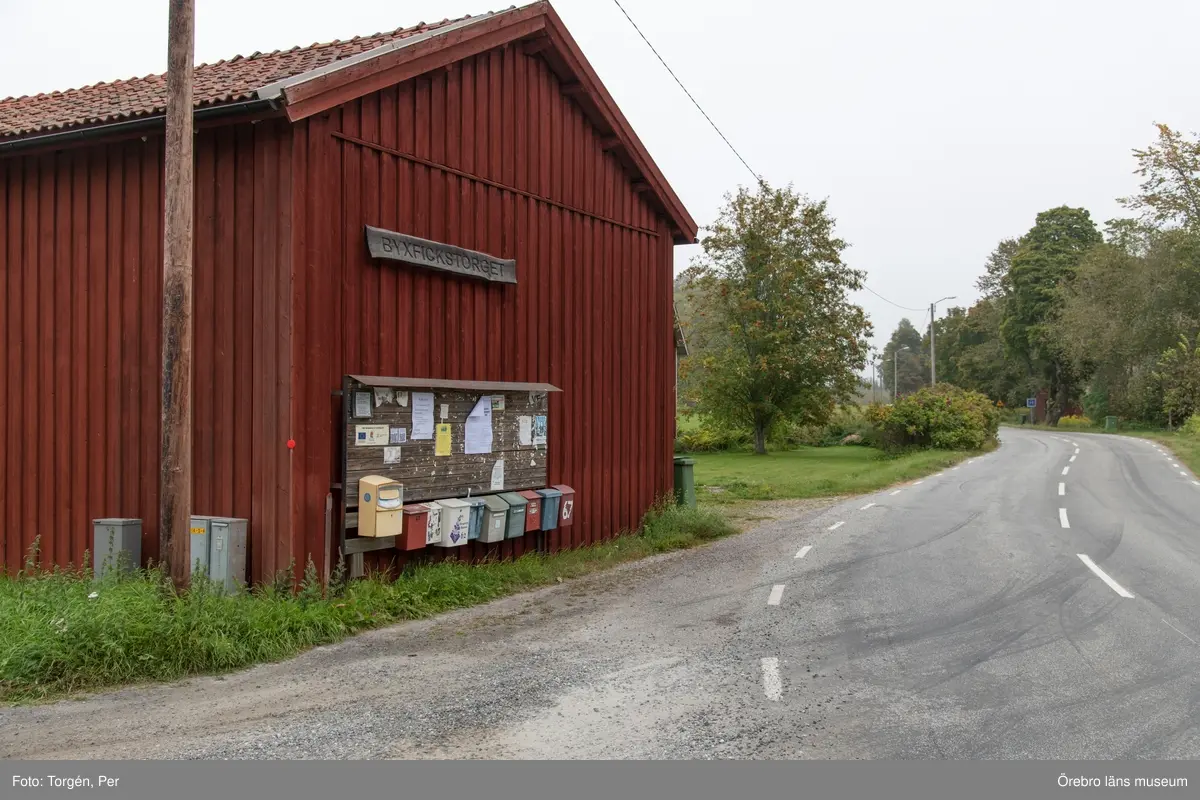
x=175, y=476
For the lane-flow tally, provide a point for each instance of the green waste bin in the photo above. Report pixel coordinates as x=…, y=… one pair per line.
x=685, y=482
x=1110, y=423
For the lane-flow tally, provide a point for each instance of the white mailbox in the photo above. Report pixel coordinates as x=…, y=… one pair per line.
x=456, y=522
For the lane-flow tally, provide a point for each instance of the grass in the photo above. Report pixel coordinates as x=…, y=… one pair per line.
x=811, y=472
x=61, y=632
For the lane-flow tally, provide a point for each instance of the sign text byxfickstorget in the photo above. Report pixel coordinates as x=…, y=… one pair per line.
x=436, y=255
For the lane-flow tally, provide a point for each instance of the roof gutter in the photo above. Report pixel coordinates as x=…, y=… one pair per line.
x=72, y=135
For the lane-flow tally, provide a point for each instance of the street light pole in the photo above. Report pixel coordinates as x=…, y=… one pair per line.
x=932, y=346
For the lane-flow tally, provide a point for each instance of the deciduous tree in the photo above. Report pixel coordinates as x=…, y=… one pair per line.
x=785, y=339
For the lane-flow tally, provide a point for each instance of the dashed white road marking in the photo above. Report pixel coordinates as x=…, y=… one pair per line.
x=868, y=505
x=1183, y=473
x=893, y=494
x=1062, y=489
x=1173, y=464
x=803, y=551
x=836, y=525
x=776, y=595
x=1062, y=518
x=1181, y=633
x=1076, y=451
x=1116, y=587
x=1072, y=459
x=772, y=683
x=918, y=483
x=1196, y=482
x=1066, y=470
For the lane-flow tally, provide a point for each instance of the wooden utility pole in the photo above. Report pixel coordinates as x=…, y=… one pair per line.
x=175, y=475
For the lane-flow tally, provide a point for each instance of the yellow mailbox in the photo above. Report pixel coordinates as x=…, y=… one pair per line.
x=380, y=507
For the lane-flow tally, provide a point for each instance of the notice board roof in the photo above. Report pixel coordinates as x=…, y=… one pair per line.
x=465, y=386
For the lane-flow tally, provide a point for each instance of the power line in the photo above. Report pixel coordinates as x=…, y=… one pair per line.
x=685, y=91
x=897, y=305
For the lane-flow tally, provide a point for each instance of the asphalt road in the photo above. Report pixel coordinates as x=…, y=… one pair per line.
x=1042, y=601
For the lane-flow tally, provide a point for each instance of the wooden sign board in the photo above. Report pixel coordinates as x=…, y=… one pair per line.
x=378, y=438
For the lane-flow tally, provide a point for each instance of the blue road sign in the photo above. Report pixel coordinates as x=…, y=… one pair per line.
x=1031, y=402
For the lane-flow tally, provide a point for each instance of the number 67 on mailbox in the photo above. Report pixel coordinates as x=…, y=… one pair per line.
x=566, y=507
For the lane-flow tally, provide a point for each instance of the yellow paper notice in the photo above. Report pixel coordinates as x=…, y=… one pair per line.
x=442, y=445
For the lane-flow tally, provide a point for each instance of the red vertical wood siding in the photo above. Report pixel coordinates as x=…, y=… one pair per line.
x=287, y=302
x=590, y=313
x=80, y=332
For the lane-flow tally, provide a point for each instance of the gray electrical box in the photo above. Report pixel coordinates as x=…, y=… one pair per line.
x=201, y=534
x=116, y=544
x=218, y=546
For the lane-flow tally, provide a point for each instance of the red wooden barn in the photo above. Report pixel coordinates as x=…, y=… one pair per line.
x=491, y=133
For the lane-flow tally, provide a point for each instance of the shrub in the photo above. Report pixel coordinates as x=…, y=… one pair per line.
x=943, y=417
x=1074, y=422
x=1192, y=426
x=709, y=437
x=845, y=422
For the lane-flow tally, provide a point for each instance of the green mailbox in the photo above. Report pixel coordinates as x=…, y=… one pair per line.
x=516, y=514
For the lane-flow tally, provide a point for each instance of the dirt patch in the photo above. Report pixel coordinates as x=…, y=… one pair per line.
x=749, y=514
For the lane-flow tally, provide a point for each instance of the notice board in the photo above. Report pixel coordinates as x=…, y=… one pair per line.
x=435, y=438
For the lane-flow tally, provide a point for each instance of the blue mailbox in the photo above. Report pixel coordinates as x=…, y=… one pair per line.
x=550, y=500
x=476, y=523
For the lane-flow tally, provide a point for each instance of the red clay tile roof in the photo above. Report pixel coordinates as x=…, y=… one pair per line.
x=227, y=81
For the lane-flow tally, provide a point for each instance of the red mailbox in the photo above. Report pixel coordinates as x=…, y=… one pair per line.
x=416, y=519
x=533, y=511
x=566, y=506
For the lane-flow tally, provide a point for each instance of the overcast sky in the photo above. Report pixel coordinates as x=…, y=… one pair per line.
x=934, y=127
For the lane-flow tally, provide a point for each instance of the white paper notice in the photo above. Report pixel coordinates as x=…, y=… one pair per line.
x=402, y=399
x=391, y=455
x=397, y=436
x=383, y=396
x=498, y=475
x=422, y=415
x=478, y=437
x=525, y=430
x=445, y=411
x=362, y=405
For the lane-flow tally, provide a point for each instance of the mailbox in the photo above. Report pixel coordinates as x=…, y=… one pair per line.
x=551, y=500
x=456, y=522
x=495, y=519
x=416, y=528
x=476, y=521
x=380, y=506
x=433, y=526
x=566, y=506
x=533, y=510
x=515, y=525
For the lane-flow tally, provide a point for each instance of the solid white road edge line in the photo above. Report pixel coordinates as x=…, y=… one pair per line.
x=1062, y=489
x=776, y=595
x=1065, y=470
x=1181, y=633
x=1116, y=587
x=772, y=684
x=868, y=505
x=836, y=525
x=1062, y=518
x=803, y=551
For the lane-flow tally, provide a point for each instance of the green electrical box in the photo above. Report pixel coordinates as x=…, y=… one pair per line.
x=685, y=481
